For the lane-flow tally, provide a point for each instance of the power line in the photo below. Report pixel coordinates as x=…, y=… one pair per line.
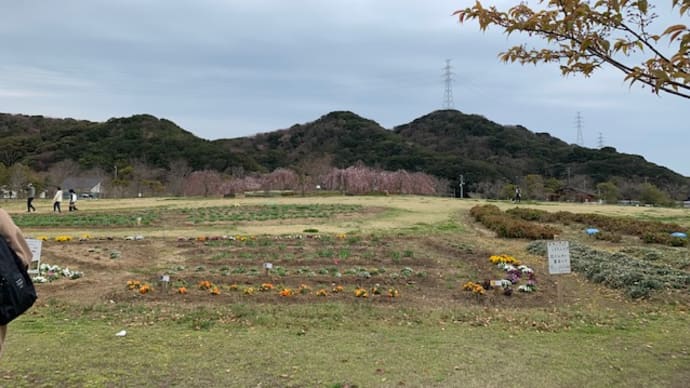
x=448, y=80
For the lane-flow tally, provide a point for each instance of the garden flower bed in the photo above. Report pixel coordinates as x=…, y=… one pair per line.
x=639, y=278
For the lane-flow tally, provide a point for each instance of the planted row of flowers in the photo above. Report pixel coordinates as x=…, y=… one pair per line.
x=243, y=238
x=85, y=237
x=49, y=273
x=515, y=272
x=302, y=289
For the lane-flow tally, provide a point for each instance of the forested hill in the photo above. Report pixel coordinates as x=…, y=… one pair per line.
x=444, y=143
x=490, y=149
x=41, y=142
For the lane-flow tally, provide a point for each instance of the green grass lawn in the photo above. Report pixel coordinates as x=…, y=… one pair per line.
x=331, y=344
x=434, y=334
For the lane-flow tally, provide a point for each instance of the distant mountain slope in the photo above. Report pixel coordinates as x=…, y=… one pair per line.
x=445, y=143
x=342, y=138
x=41, y=142
x=511, y=151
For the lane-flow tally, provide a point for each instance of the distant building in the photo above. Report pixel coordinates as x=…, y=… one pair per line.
x=88, y=187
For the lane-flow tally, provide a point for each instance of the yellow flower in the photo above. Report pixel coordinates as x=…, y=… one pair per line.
x=476, y=288
x=393, y=292
x=506, y=259
x=321, y=292
x=361, y=292
x=249, y=291
x=133, y=284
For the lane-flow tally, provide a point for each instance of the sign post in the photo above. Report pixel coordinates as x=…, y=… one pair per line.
x=35, y=247
x=559, y=262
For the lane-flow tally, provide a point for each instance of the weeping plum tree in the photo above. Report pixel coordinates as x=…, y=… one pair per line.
x=582, y=36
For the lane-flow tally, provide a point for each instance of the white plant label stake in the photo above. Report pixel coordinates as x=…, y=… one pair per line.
x=559, y=262
x=559, y=257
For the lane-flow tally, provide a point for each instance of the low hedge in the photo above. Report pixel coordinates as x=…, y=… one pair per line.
x=510, y=227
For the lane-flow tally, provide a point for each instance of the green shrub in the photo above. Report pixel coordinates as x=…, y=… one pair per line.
x=637, y=277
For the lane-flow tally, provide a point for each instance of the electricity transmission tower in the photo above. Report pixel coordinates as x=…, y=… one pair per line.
x=578, y=123
x=600, y=140
x=448, y=80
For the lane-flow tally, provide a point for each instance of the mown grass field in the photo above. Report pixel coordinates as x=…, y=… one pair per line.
x=570, y=332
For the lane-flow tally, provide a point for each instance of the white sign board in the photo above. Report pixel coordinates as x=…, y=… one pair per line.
x=268, y=265
x=35, y=247
x=559, y=257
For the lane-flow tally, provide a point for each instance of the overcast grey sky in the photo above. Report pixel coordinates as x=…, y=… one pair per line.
x=231, y=68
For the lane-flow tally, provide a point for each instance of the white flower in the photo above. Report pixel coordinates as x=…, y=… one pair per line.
x=506, y=283
x=525, y=269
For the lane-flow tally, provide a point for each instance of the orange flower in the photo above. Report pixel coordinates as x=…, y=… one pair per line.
x=215, y=290
x=266, y=286
x=144, y=289
x=205, y=285
x=286, y=292
x=182, y=290
x=337, y=289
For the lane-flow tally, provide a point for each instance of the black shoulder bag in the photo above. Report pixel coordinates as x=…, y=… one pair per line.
x=17, y=292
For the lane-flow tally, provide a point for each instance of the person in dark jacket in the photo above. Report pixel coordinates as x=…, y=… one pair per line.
x=72, y=200
x=15, y=239
x=31, y=193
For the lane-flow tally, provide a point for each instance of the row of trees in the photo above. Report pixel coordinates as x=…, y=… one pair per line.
x=536, y=187
x=137, y=178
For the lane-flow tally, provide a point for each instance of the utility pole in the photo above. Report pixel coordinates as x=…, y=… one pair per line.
x=448, y=80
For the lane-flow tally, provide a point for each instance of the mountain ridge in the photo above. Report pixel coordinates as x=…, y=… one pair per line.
x=444, y=143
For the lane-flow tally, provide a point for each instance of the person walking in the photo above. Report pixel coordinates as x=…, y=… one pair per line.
x=72, y=200
x=57, y=200
x=518, y=195
x=15, y=239
x=30, y=197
